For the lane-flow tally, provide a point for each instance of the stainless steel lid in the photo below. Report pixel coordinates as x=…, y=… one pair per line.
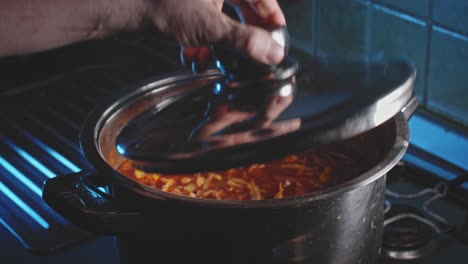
x=209, y=122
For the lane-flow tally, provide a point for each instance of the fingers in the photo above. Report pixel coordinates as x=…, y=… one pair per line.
x=276, y=129
x=285, y=127
x=188, y=55
x=256, y=42
x=212, y=26
x=266, y=13
x=197, y=58
x=206, y=132
x=269, y=10
x=203, y=58
x=274, y=108
x=219, y=4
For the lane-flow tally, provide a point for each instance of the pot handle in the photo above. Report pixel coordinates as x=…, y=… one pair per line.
x=77, y=197
x=409, y=109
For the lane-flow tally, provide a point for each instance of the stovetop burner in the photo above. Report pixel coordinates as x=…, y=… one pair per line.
x=411, y=229
x=408, y=236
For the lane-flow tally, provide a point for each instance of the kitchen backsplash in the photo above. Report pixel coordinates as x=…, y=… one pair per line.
x=431, y=33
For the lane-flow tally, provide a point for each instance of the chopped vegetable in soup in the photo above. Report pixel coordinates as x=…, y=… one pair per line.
x=290, y=176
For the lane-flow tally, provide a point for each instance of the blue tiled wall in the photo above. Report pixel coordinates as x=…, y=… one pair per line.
x=431, y=33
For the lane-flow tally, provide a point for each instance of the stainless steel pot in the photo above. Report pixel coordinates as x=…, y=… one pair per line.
x=342, y=224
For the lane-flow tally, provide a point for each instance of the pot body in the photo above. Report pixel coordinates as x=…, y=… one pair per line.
x=342, y=224
x=344, y=228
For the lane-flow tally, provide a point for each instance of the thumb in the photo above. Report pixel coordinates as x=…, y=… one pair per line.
x=256, y=42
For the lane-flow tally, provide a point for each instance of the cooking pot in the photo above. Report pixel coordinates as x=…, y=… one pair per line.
x=341, y=224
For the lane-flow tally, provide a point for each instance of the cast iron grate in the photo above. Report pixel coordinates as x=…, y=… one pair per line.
x=39, y=139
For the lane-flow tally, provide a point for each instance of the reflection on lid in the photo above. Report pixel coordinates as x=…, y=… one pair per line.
x=239, y=116
x=232, y=123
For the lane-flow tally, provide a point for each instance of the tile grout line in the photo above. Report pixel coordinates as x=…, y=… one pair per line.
x=368, y=30
x=428, y=55
x=423, y=18
x=315, y=14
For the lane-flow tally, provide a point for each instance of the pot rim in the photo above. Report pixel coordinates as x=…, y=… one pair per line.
x=89, y=143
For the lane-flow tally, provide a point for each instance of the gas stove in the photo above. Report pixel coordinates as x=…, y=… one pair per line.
x=425, y=216
x=45, y=98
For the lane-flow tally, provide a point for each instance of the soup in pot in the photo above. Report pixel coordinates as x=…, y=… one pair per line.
x=290, y=176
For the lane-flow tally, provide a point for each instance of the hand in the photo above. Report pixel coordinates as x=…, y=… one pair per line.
x=31, y=26
x=196, y=23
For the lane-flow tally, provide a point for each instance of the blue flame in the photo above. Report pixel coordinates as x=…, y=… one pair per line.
x=218, y=88
x=21, y=204
x=33, y=161
x=120, y=149
x=20, y=176
x=66, y=162
x=13, y=232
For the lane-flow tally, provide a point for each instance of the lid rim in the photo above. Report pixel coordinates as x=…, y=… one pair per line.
x=268, y=149
x=260, y=151
x=394, y=155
